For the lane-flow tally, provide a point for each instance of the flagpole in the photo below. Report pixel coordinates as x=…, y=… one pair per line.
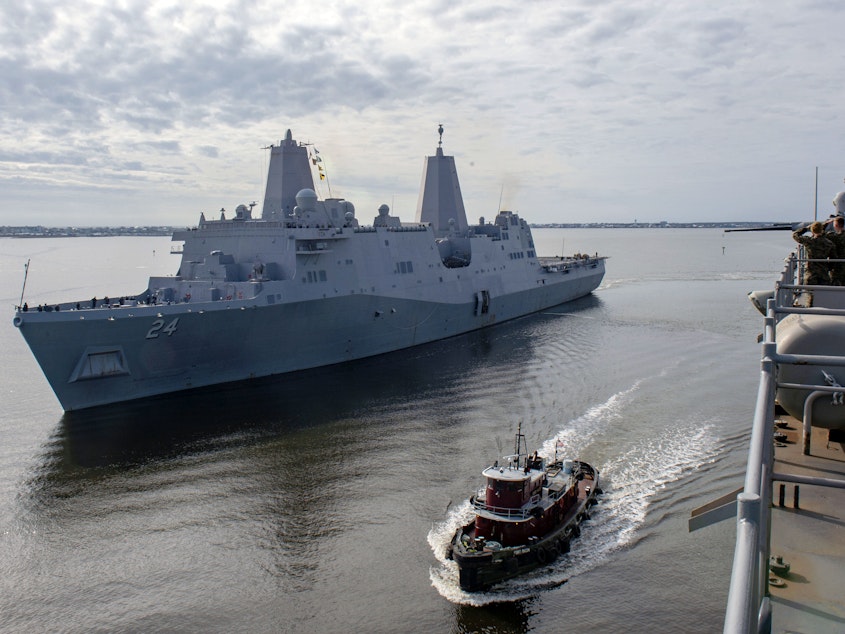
x=322, y=172
x=25, y=274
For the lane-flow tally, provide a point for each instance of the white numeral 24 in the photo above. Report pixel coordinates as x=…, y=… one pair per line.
x=158, y=326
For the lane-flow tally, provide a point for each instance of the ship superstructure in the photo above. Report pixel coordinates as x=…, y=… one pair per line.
x=304, y=285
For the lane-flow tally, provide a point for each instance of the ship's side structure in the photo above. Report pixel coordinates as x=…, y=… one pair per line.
x=789, y=559
x=304, y=285
x=526, y=515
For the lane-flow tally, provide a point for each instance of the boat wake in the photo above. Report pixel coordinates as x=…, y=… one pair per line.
x=631, y=480
x=599, y=418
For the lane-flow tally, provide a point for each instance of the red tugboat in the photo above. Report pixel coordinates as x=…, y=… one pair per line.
x=525, y=516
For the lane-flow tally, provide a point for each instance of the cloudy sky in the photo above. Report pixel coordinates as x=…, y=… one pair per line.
x=145, y=112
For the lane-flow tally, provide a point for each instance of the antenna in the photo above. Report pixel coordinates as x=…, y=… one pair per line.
x=520, y=439
x=25, y=274
x=501, y=195
x=440, y=130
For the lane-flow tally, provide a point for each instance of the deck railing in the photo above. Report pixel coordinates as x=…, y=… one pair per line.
x=523, y=512
x=748, y=607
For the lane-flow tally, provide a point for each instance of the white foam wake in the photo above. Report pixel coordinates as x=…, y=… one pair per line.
x=596, y=420
x=630, y=481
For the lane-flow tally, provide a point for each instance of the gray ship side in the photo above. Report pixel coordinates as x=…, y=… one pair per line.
x=789, y=559
x=301, y=287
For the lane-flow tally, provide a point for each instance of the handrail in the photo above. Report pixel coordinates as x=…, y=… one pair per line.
x=506, y=511
x=748, y=586
x=523, y=512
x=748, y=607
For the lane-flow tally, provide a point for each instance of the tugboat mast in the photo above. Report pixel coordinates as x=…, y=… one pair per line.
x=520, y=440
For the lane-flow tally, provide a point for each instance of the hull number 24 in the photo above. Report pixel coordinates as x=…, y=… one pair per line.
x=159, y=327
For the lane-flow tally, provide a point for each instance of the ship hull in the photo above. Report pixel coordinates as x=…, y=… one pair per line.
x=479, y=570
x=102, y=356
x=305, y=286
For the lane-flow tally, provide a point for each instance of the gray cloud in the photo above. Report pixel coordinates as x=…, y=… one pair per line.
x=150, y=97
x=210, y=151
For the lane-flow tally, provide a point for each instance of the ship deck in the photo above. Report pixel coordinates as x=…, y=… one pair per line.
x=808, y=534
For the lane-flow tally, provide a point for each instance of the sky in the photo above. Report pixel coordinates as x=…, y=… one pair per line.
x=128, y=113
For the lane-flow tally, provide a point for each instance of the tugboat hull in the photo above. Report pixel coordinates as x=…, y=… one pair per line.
x=490, y=563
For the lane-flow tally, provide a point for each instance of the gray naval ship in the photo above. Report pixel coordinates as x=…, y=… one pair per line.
x=303, y=286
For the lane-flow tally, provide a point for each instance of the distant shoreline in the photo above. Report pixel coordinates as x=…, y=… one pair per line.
x=96, y=232
x=82, y=232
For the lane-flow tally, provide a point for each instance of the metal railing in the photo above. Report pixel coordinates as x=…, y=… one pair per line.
x=523, y=512
x=748, y=607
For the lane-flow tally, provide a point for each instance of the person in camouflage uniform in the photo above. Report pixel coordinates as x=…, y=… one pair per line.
x=837, y=269
x=817, y=247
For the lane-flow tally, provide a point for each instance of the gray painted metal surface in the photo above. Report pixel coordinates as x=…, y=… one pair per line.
x=811, y=533
x=303, y=286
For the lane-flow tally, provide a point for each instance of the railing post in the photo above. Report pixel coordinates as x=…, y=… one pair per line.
x=743, y=603
x=808, y=420
x=764, y=618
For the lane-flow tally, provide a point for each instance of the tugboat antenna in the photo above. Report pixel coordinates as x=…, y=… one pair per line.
x=520, y=438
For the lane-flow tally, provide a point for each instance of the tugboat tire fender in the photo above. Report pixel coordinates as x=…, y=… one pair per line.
x=542, y=555
x=563, y=546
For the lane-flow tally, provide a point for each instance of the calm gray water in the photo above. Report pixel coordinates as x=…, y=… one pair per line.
x=324, y=502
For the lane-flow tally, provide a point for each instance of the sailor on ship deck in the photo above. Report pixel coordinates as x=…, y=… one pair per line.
x=818, y=248
x=837, y=237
